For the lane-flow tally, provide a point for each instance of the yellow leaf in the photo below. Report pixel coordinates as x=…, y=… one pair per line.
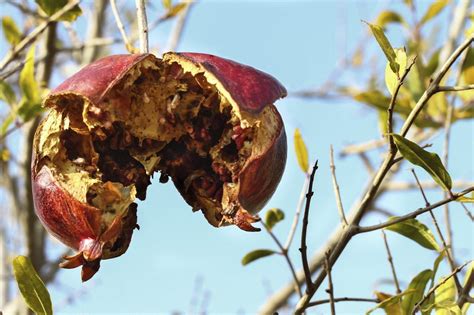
x=301, y=151
x=391, y=78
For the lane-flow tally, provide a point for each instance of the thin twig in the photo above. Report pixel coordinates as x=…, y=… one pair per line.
x=413, y=214
x=33, y=35
x=330, y=289
x=296, y=217
x=343, y=299
x=430, y=292
x=284, y=253
x=438, y=230
x=429, y=184
x=453, y=88
x=390, y=261
x=121, y=27
x=335, y=186
x=468, y=213
x=427, y=203
x=303, y=248
x=142, y=26
x=391, y=106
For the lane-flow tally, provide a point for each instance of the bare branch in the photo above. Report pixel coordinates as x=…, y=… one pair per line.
x=391, y=106
x=336, y=187
x=390, y=261
x=413, y=214
x=296, y=217
x=454, y=88
x=284, y=252
x=343, y=299
x=330, y=289
x=396, y=185
x=121, y=27
x=303, y=248
x=33, y=35
x=142, y=26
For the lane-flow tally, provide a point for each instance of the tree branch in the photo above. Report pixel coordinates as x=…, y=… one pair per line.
x=121, y=27
x=33, y=35
x=411, y=215
x=390, y=261
x=336, y=187
x=142, y=26
x=303, y=248
x=284, y=252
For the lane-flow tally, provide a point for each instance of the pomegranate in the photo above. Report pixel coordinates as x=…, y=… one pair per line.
x=206, y=122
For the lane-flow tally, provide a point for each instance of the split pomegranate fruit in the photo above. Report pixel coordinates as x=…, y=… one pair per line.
x=206, y=122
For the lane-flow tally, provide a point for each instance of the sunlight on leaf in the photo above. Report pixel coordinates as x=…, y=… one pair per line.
x=416, y=231
x=418, y=285
x=391, y=78
x=256, y=254
x=385, y=45
x=301, y=151
x=31, y=286
x=445, y=298
x=430, y=162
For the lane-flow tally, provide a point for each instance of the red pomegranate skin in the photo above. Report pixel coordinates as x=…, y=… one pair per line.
x=78, y=225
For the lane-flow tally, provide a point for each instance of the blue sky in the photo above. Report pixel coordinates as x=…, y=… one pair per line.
x=300, y=43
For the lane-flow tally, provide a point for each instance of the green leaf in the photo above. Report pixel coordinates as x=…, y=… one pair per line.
x=428, y=304
x=418, y=285
x=256, y=254
x=11, y=31
x=416, y=231
x=377, y=99
x=391, y=78
x=52, y=6
x=29, y=110
x=386, y=17
x=28, y=84
x=430, y=162
x=31, y=286
x=385, y=45
x=273, y=216
x=445, y=298
x=389, y=302
x=434, y=9
x=301, y=151
x=7, y=94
